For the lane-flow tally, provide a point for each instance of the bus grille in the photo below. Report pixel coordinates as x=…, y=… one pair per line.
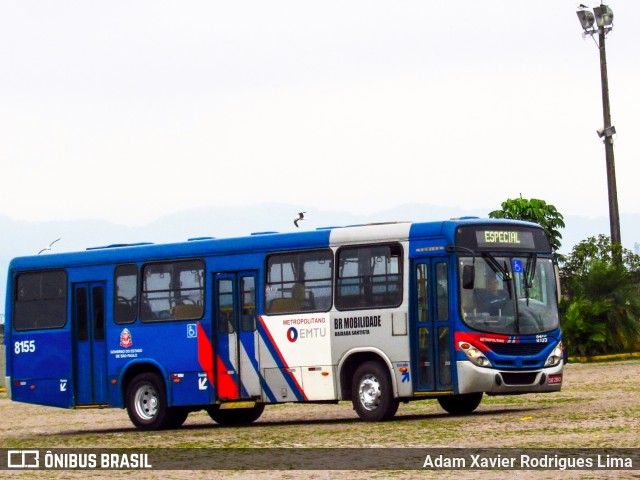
x=525, y=378
x=516, y=349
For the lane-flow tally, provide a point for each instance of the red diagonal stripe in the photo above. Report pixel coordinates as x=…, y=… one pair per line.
x=226, y=386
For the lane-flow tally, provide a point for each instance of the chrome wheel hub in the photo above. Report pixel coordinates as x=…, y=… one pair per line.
x=369, y=392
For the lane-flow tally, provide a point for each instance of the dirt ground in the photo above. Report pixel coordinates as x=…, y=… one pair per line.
x=598, y=407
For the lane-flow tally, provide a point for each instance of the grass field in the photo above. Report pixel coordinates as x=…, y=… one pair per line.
x=598, y=407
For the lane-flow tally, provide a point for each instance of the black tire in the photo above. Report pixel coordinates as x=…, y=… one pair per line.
x=460, y=404
x=372, y=394
x=147, y=403
x=177, y=416
x=235, y=416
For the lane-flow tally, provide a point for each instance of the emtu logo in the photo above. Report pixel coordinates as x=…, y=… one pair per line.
x=292, y=334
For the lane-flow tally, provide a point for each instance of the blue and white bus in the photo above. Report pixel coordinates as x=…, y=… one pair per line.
x=376, y=314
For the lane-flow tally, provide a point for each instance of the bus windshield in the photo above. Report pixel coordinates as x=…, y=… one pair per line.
x=509, y=295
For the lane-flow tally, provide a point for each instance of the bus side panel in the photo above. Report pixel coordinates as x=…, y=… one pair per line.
x=41, y=370
x=173, y=346
x=380, y=330
x=295, y=358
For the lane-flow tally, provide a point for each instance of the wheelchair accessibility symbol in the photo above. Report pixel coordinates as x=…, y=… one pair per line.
x=192, y=331
x=516, y=265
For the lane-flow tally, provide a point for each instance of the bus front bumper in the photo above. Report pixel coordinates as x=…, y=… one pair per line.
x=472, y=378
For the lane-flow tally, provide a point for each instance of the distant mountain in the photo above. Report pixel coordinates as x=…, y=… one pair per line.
x=20, y=238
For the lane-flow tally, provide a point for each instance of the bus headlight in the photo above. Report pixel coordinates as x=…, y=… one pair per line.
x=475, y=355
x=556, y=356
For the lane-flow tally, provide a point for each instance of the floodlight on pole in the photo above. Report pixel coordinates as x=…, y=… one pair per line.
x=587, y=19
x=604, y=16
x=601, y=22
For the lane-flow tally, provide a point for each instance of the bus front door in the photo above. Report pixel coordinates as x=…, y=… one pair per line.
x=236, y=369
x=431, y=327
x=90, y=354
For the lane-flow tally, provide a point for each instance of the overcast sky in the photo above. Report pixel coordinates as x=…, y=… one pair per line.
x=127, y=110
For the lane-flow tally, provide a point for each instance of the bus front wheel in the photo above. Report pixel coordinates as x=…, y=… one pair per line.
x=460, y=404
x=372, y=394
x=147, y=403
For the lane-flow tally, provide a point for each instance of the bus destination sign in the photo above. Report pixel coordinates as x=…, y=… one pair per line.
x=505, y=238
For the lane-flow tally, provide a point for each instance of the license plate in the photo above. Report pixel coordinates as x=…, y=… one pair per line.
x=555, y=379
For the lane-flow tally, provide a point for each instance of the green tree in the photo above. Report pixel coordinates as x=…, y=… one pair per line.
x=601, y=311
x=596, y=249
x=537, y=211
x=603, y=314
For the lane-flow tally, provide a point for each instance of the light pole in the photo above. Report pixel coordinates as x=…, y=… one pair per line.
x=602, y=16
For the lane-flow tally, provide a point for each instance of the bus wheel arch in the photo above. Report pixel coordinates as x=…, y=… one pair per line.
x=145, y=396
x=366, y=379
x=350, y=363
x=372, y=392
x=133, y=370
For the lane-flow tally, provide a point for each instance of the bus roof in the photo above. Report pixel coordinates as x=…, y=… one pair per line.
x=260, y=242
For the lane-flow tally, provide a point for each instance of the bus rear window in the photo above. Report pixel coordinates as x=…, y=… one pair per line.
x=40, y=300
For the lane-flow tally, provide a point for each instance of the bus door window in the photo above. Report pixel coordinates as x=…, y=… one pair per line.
x=225, y=306
x=444, y=353
x=248, y=304
x=424, y=352
x=89, y=315
x=82, y=320
x=444, y=336
x=424, y=340
x=442, y=291
x=97, y=294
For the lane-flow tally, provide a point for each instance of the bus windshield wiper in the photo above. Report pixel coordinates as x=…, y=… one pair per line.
x=530, y=270
x=529, y=274
x=501, y=270
x=496, y=267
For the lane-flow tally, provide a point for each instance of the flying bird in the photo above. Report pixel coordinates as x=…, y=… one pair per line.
x=582, y=6
x=300, y=217
x=49, y=247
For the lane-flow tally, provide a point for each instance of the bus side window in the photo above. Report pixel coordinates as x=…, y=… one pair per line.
x=125, y=306
x=172, y=290
x=369, y=276
x=299, y=282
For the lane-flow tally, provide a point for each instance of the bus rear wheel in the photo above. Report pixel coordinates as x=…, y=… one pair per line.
x=372, y=394
x=460, y=404
x=147, y=404
x=235, y=416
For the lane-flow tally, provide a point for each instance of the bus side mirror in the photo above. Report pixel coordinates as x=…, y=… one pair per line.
x=468, y=276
